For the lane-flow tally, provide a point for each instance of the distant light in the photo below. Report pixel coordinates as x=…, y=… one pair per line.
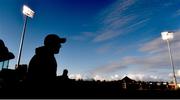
x=116, y=76
x=77, y=76
x=158, y=83
x=97, y=77
x=164, y=83
x=178, y=85
x=167, y=35
x=27, y=11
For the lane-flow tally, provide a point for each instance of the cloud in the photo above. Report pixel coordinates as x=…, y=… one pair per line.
x=136, y=76
x=113, y=19
x=138, y=24
x=115, y=77
x=158, y=47
x=144, y=77
x=106, y=35
x=83, y=36
x=178, y=73
x=76, y=76
x=108, y=68
x=125, y=16
x=122, y=17
x=153, y=58
x=155, y=53
x=97, y=77
x=132, y=75
x=105, y=48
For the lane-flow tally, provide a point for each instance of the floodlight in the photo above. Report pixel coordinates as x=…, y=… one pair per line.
x=27, y=11
x=167, y=35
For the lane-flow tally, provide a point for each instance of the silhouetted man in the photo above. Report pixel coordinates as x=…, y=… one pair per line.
x=43, y=66
x=64, y=76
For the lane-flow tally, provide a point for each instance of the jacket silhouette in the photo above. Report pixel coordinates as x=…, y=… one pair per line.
x=43, y=65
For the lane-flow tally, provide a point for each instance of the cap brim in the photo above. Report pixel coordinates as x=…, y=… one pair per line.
x=62, y=40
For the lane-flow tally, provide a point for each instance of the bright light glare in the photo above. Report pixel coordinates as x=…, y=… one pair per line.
x=78, y=77
x=167, y=35
x=97, y=77
x=75, y=76
x=27, y=11
x=178, y=85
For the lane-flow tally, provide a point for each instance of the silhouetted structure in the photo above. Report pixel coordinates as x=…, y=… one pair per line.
x=43, y=66
x=5, y=55
x=129, y=84
x=6, y=75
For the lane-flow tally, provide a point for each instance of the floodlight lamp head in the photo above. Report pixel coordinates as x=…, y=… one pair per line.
x=27, y=11
x=167, y=35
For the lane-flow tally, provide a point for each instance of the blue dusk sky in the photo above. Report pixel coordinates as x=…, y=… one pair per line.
x=106, y=39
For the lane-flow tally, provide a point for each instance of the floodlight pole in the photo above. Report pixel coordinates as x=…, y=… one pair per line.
x=22, y=40
x=172, y=63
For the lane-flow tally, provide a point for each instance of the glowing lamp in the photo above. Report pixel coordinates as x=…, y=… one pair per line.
x=27, y=11
x=167, y=35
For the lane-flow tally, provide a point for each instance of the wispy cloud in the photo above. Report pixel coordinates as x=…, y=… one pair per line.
x=83, y=36
x=76, y=76
x=155, y=57
x=138, y=24
x=151, y=58
x=158, y=45
x=113, y=19
x=155, y=45
x=145, y=77
x=120, y=18
x=125, y=16
x=104, y=49
x=108, y=68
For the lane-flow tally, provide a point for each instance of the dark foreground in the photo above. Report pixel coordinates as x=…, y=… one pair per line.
x=12, y=85
x=86, y=90
x=88, y=93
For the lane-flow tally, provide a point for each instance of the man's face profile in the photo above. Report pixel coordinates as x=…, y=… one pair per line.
x=56, y=48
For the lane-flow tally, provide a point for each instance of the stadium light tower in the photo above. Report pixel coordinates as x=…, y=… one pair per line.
x=28, y=13
x=167, y=36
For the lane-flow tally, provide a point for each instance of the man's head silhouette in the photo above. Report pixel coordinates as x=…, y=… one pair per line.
x=65, y=72
x=53, y=42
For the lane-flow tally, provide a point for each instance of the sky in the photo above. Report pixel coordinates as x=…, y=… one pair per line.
x=106, y=39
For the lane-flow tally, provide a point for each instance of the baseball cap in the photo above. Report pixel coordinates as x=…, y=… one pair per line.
x=53, y=38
